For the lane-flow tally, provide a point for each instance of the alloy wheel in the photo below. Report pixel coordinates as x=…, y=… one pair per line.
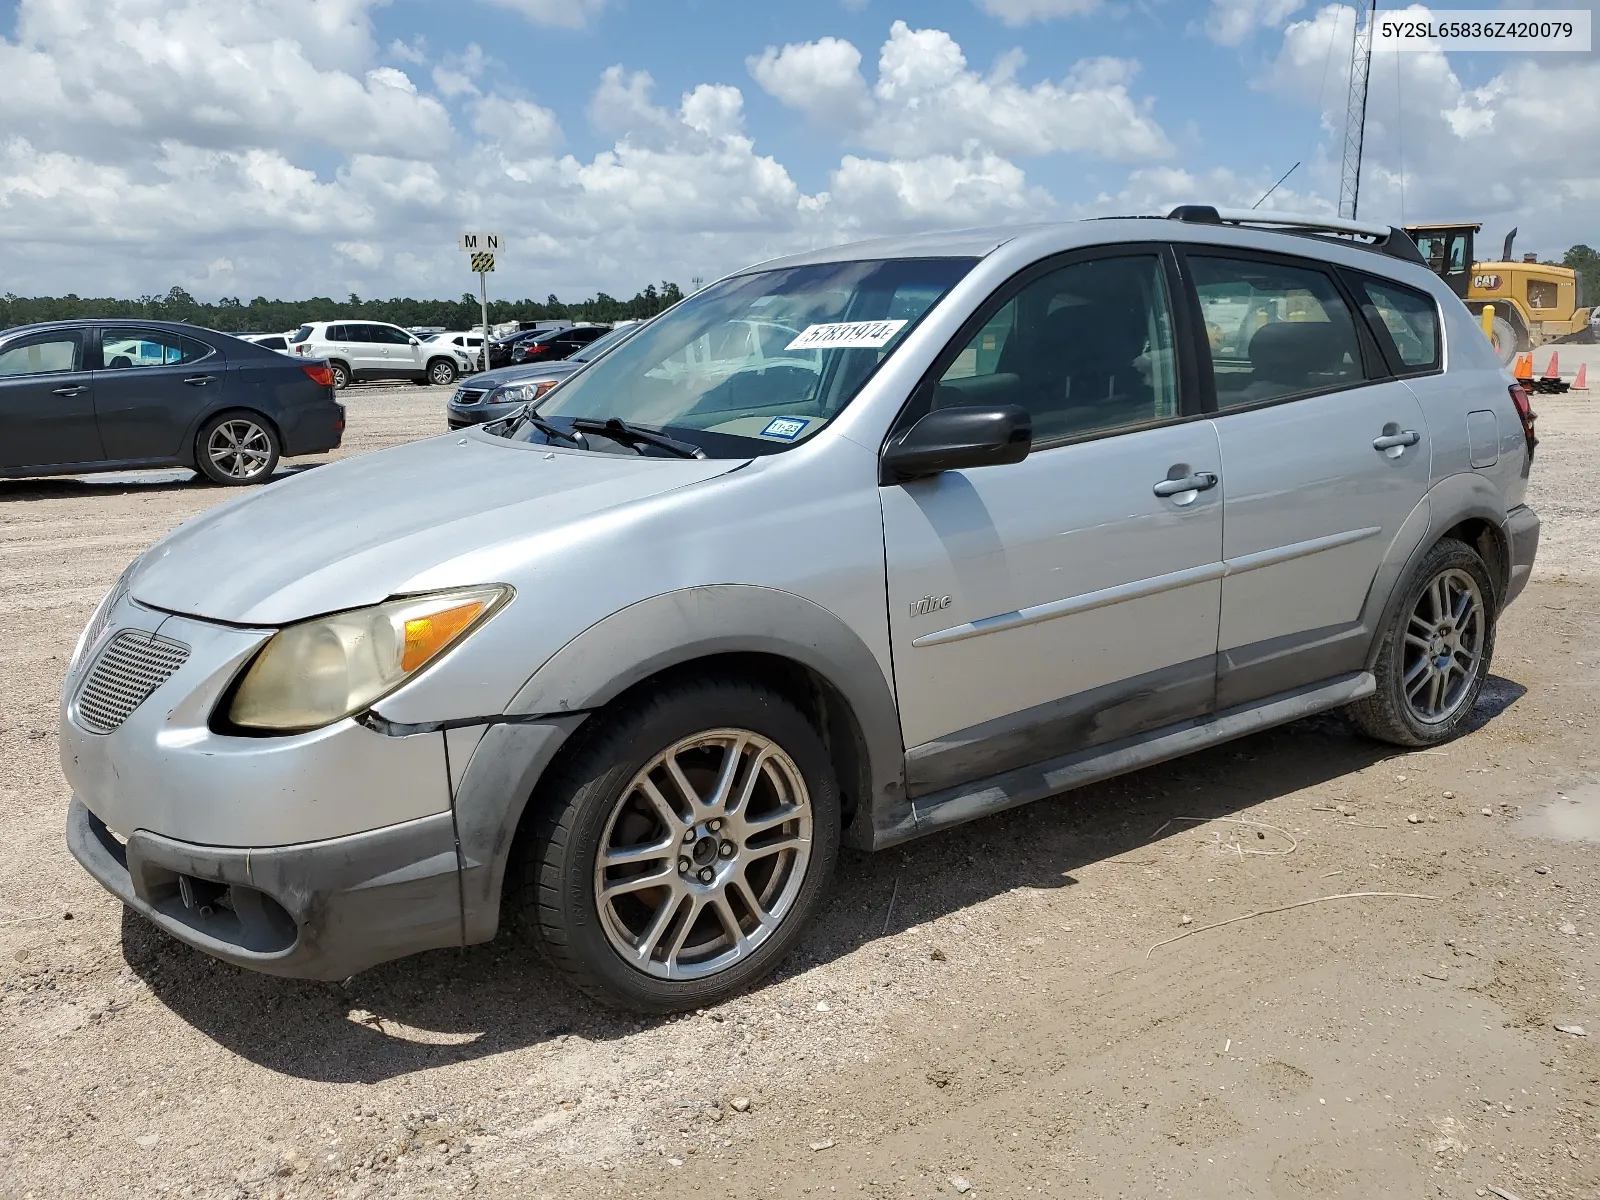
x=239, y=448
x=704, y=854
x=1444, y=644
x=443, y=375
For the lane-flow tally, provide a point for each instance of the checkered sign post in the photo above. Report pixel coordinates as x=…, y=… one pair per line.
x=482, y=247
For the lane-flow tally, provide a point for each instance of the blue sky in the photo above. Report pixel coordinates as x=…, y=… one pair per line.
x=292, y=147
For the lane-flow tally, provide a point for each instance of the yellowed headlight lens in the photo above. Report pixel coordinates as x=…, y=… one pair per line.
x=320, y=671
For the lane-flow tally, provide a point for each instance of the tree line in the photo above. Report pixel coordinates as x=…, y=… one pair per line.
x=232, y=315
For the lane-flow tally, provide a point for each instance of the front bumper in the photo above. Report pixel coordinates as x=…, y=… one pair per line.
x=463, y=416
x=1522, y=531
x=319, y=910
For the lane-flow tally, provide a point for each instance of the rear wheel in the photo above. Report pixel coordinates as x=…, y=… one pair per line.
x=341, y=375
x=684, y=847
x=441, y=372
x=1436, y=652
x=237, y=448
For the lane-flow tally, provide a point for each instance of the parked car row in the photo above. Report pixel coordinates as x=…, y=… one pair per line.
x=492, y=395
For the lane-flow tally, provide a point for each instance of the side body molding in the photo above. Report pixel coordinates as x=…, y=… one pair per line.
x=635, y=643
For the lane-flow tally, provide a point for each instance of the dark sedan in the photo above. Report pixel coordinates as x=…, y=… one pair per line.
x=81, y=396
x=556, y=344
x=496, y=394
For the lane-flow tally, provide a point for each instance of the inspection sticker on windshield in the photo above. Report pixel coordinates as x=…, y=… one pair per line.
x=787, y=428
x=852, y=335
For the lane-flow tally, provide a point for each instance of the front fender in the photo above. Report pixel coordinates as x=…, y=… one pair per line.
x=630, y=646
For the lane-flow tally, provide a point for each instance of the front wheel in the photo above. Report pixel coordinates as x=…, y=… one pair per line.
x=681, y=852
x=1504, y=337
x=1436, y=652
x=441, y=372
x=237, y=448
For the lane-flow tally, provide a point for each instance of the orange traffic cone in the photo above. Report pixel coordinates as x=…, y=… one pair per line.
x=1581, y=382
x=1522, y=365
x=1553, y=371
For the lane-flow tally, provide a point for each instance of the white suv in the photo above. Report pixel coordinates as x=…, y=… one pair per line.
x=358, y=351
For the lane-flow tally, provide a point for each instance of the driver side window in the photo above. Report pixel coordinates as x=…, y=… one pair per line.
x=1085, y=348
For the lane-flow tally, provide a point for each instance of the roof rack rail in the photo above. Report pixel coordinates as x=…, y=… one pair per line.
x=1385, y=238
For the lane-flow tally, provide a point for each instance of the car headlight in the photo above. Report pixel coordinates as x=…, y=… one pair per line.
x=521, y=393
x=323, y=670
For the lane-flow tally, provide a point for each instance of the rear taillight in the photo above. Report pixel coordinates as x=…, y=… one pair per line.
x=1525, y=414
x=319, y=373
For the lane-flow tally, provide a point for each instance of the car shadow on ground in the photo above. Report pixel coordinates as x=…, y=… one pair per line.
x=455, y=1005
x=124, y=483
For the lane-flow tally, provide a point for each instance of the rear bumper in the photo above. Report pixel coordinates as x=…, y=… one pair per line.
x=1522, y=530
x=320, y=910
x=315, y=429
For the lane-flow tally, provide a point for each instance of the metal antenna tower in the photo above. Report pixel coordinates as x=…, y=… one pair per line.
x=1355, y=120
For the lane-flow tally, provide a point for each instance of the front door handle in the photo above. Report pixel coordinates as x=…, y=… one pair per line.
x=1200, y=481
x=198, y=380
x=1393, y=441
x=72, y=389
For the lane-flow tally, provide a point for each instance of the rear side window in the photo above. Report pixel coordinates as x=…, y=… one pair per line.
x=1407, y=319
x=300, y=335
x=1274, y=330
x=46, y=354
x=123, y=349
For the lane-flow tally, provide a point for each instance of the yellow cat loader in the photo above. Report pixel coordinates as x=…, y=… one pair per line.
x=1534, y=302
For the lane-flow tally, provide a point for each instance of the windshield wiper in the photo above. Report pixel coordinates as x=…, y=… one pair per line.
x=636, y=436
x=545, y=427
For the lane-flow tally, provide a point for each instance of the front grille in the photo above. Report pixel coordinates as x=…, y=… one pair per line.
x=133, y=664
x=469, y=395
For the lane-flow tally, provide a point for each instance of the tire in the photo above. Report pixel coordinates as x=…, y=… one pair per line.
x=341, y=375
x=237, y=449
x=687, y=956
x=1505, y=339
x=1390, y=714
x=442, y=372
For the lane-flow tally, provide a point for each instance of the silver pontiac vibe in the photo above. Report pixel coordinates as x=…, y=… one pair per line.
x=846, y=548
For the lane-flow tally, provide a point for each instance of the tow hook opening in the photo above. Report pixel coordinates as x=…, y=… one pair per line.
x=203, y=896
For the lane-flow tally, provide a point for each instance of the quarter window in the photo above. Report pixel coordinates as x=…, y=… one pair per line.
x=48, y=355
x=1409, y=318
x=1274, y=331
x=1084, y=348
x=121, y=349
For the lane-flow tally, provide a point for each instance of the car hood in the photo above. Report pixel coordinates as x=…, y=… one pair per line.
x=520, y=373
x=359, y=531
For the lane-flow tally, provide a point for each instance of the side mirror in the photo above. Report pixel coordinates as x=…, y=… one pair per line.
x=415, y=342
x=949, y=439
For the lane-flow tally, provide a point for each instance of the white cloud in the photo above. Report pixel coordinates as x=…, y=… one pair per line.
x=519, y=126
x=1020, y=12
x=414, y=52
x=561, y=14
x=927, y=101
x=218, y=73
x=870, y=194
x=821, y=78
x=1231, y=22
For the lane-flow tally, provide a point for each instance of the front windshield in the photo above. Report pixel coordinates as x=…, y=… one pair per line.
x=755, y=363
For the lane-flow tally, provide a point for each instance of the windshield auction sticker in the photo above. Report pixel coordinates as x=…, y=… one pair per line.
x=851, y=335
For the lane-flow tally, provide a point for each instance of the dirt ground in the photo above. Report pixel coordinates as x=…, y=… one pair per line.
x=988, y=1011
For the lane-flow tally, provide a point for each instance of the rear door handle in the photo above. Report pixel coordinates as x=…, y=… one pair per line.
x=1391, y=441
x=1200, y=481
x=70, y=390
x=198, y=380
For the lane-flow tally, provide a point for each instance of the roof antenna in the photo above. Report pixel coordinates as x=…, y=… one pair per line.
x=1274, y=187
